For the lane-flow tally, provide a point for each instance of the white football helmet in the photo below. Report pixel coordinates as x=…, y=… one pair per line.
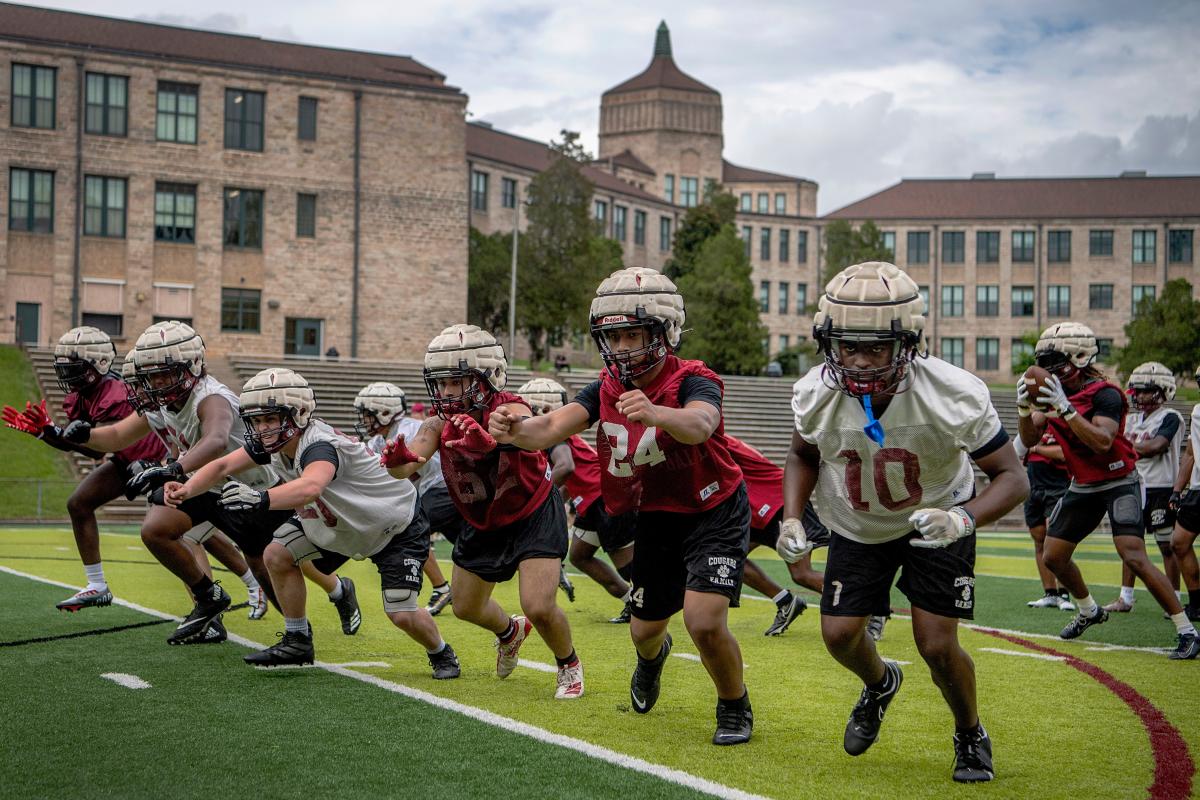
x=543, y=395
x=275, y=391
x=469, y=353
x=870, y=304
x=642, y=298
x=82, y=356
x=169, y=358
x=1065, y=348
x=1151, y=376
x=135, y=393
x=377, y=405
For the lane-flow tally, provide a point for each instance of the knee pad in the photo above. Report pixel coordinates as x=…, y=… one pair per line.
x=399, y=600
x=1126, y=510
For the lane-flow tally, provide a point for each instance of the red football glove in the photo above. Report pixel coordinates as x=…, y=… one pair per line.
x=472, y=439
x=33, y=420
x=38, y=416
x=397, y=454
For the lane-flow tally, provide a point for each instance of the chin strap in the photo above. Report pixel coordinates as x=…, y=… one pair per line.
x=873, y=429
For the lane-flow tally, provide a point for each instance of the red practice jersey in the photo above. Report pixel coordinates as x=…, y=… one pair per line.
x=107, y=402
x=1086, y=465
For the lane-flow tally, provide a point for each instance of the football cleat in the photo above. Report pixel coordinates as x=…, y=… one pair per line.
x=625, y=616
x=1064, y=603
x=565, y=584
x=786, y=612
x=1187, y=648
x=292, y=649
x=735, y=721
x=570, y=681
x=1081, y=623
x=347, y=608
x=645, y=683
x=257, y=602
x=1119, y=606
x=206, y=609
x=862, y=729
x=506, y=652
x=445, y=664
x=1048, y=600
x=215, y=633
x=875, y=626
x=86, y=598
x=438, y=601
x=973, y=757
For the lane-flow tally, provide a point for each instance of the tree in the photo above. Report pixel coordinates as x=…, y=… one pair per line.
x=1023, y=363
x=699, y=224
x=798, y=359
x=489, y=261
x=721, y=310
x=1166, y=329
x=845, y=245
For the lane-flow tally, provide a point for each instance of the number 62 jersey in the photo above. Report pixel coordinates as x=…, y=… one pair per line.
x=940, y=420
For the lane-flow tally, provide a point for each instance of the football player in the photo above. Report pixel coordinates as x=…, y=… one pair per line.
x=383, y=415
x=513, y=515
x=885, y=436
x=1156, y=433
x=1185, y=501
x=662, y=443
x=95, y=395
x=1048, y=477
x=1087, y=415
x=341, y=504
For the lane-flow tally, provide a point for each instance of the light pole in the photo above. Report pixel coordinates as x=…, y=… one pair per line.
x=512, y=283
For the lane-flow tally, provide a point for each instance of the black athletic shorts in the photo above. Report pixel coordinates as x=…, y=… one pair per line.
x=1046, y=485
x=1079, y=513
x=495, y=555
x=1188, y=515
x=814, y=529
x=399, y=562
x=1157, y=516
x=858, y=577
x=250, y=530
x=704, y=552
x=613, y=533
x=442, y=513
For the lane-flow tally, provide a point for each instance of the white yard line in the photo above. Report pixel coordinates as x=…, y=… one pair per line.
x=1023, y=653
x=128, y=681
x=688, y=656
x=538, y=665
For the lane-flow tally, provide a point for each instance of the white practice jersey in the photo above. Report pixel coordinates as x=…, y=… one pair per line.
x=158, y=426
x=1194, y=438
x=430, y=474
x=183, y=429
x=866, y=492
x=1156, y=471
x=362, y=508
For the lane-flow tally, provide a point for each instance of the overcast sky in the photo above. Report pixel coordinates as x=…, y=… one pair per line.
x=852, y=95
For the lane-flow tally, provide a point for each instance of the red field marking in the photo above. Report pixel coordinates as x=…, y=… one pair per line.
x=1173, y=765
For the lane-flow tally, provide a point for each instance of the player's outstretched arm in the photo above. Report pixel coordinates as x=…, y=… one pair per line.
x=1008, y=486
x=402, y=458
x=107, y=438
x=208, y=476
x=216, y=421
x=305, y=489
x=537, y=433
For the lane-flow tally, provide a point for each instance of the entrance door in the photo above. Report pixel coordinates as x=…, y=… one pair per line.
x=302, y=337
x=28, y=323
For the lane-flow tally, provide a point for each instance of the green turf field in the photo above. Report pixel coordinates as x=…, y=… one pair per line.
x=379, y=725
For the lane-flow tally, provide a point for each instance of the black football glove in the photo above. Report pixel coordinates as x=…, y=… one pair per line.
x=151, y=478
x=77, y=432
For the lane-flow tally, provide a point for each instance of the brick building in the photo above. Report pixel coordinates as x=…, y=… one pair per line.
x=264, y=191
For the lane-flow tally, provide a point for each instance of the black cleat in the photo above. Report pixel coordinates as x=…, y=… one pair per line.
x=862, y=729
x=735, y=721
x=207, y=609
x=565, y=584
x=644, y=686
x=787, y=612
x=292, y=649
x=973, y=757
x=1081, y=623
x=624, y=617
x=1187, y=649
x=445, y=664
x=438, y=601
x=347, y=608
x=215, y=633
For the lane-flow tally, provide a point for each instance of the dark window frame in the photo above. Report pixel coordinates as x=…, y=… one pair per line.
x=953, y=300
x=1100, y=243
x=620, y=222
x=785, y=245
x=639, y=227
x=479, y=190
x=105, y=228
x=1026, y=251
x=987, y=361
x=1028, y=300
x=98, y=319
x=1058, y=247
x=916, y=249
x=764, y=244
x=306, y=220
x=508, y=192
x=801, y=247
x=306, y=118
x=962, y=350
x=241, y=218
x=1148, y=246
x=1100, y=296
x=954, y=247
x=239, y=127
x=987, y=247
x=664, y=234
x=177, y=90
x=105, y=107
x=1056, y=306
x=987, y=300
x=31, y=217
x=35, y=102
x=1180, y=246
x=241, y=309
x=764, y=297
x=174, y=232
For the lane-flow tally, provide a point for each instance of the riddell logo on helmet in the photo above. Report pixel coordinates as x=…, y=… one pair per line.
x=615, y=319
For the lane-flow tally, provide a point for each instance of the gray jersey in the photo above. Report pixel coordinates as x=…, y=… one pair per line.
x=183, y=429
x=1156, y=471
x=867, y=492
x=430, y=474
x=362, y=508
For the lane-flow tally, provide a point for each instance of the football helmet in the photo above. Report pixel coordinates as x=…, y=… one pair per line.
x=169, y=358
x=870, y=304
x=543, y=395
x=135, y=393
x=1151, y=377
x=275, y=392
x=637, y=297
x=1066, y=347
x=82, y=356
x=468, y=353
x=377, y=405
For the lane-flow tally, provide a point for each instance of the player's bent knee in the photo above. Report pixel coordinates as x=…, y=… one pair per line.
x=278, y=558
x=399, y=600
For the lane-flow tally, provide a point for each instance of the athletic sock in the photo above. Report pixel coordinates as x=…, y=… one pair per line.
x=250, y=581
x=783, y=596
x=1127, y=594
x=437, y=649
x=202, y=587
x=1087, y=606
x=884, y=683
x=1062, y=593
x=972, y=731
x=568, y=661
x=509, y=632
x=95, y=576
x=443, y=587
x=337, y=592
x=1182, y=623
x=296, y=625
x=1179, y=596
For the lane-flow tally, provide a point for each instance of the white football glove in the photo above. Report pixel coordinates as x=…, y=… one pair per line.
x=1024, y=407
x=793, y=543
x=237, y=496
x=1054, y=396
x=940, y=528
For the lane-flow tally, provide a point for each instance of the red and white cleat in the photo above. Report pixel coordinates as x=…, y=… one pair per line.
x=506, y=652
x=258, y=603
x=86, y=598
x=570, y=681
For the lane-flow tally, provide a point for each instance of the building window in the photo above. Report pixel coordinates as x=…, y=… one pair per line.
x=664, y=233
x=1141, y=293
x=1058, y=301
x=1023, y=245
x=747, y=202
x=1100, y=296
x=801, y=247
x=987, y=301
x=619, y=215
x=764, y=203
x=1179, y=247
x=780, y=203
x=104, y=206
x=33, y=95
x=1022, y=301
x=764, y=296
x=764, y=244
x=785, y=342
x=987, y=247
x=924, y=292
x=987, y=354
x=1104, y=347
x=175, y=213
x=954, y=247
x=801, y=298
x=112, y=324
x=306, y=215
x=747, y=234
x=784, y=245
x=688, y=192
x=479, y=190
x=952, y=351
x=639, y=228
x=889, y=242
x=1100, y=243
x=243, y=218
x=178, y=107
x=1020, y=353
x=952, y=301
x=1145, y=246
x=240, y=310
x=306, y=119
x=244, y=120
x=1058, y=246
x=508, y=193
x=30, y=200
x=669, y=187
x=600, y=212
x=918, y=247
x=783, y=297
x=710, y=184
x=107, y=104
